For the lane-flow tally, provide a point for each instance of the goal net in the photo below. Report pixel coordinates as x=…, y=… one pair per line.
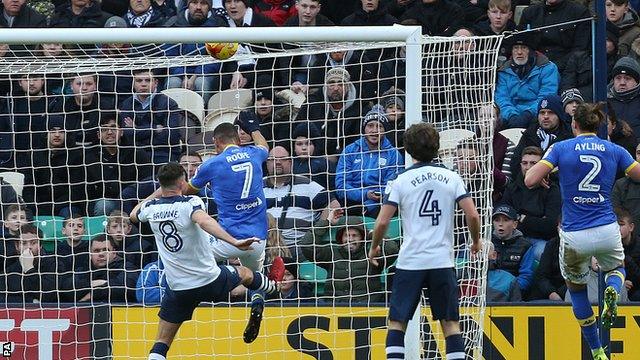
x=84, y=128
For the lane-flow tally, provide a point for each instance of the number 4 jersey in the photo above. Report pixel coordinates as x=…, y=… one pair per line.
x=235, y=176
x=184, y=248
x=426, y=195
x=587, y=166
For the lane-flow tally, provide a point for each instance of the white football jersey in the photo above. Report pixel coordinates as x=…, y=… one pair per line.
x=426, y=195
x=184, y=248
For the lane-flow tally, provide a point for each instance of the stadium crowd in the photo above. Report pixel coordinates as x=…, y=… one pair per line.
x=88, y=145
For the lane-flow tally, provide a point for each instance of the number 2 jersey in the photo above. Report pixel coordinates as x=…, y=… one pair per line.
x=235, y=176
x=184, y=248
x=587, y=169
x=426, y=195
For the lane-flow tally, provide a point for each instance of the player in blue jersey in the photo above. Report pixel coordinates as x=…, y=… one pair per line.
x=235, y=177
x=587, y=168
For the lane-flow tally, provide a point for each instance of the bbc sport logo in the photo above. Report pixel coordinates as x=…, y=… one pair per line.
x=7, y=349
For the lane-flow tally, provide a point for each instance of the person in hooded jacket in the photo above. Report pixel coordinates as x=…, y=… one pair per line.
x=80, y=14
x=626, y=20
x=623, y=93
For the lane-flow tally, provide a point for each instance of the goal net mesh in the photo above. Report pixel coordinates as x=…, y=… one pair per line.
x=83, y=130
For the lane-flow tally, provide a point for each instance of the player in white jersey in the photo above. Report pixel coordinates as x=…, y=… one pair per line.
x=426, y=195
x=182, y=230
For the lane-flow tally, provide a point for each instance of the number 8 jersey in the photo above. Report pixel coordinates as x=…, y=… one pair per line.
x=426, y=195
x=587, y=169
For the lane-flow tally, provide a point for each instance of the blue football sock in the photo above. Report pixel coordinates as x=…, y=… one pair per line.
x=587, y=320
x=615, y=278
x=395, y=344
x=159, y=351
x=262, y=284
x=455, y=347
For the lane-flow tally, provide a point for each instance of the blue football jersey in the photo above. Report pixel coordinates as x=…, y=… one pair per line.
x=235, y=177
x=587, y=167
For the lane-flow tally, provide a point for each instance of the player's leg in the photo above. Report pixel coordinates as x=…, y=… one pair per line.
x=254, y=260
x=575, y=257
x=405, y=296
x=610, y=256
x=442, y=288
x=176, y=308
x=166, y=333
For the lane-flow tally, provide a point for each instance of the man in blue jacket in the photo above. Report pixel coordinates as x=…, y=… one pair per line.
x=522, y=83
x=366, y=165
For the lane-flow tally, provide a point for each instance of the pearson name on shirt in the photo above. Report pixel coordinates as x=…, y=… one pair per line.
x=167, y=214
x=589, y=147
x=429, y=177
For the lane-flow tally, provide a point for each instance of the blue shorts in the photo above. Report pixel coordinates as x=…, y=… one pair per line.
x=440, y=286
x=178, y=306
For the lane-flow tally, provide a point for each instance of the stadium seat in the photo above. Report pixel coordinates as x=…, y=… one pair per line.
x=236, y=99
x=518, y=13
x=513, y=134
x=394, y=230
x=217, y=117
x=187, y=100
x=51, y=227
x=94, y=225
x=449, y=140
x=16, y=180
x=310, y=272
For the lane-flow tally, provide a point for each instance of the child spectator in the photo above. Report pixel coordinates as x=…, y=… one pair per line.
x=74, y=250
x=631, y=253
x=291, y=289
x=501, y=285
x=133, y=248
x=15, y=217
x=499, y=19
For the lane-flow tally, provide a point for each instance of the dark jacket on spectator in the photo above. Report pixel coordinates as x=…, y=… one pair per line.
x=514, y=256
x=44, y=283
x=500, y=145
x=558, y=42
x=530, y=138
x=82, y=119
x=396, y=10
x=441, y=18
x=8, y=252
x=74, y=258
x=629, y=29
x=577, y=74
x=277, y=10
x=628, y=142
x=160, y=17
x=627, y=106
x=27, y=18
x=502, y=286
x=29, y=126
x=541, y=207
x=548, y=278
x=378, y=17
x=626, y=194
x=7, y=156
x=90, y=17
x=338, y=10
x=137, y=250
x=483, y=28
x=632, y=266
x=121, y=282
x=321, y=20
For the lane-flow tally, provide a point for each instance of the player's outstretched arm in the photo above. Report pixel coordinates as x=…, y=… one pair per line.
x=537, y=173
x=379, y=230
x=473, y=222
x=250, y=123
x=211, y=226
x=134, y=213
x=259, y=139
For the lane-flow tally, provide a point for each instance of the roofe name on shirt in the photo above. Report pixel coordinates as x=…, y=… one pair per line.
x=237, y=156
x=590, y=146
x=165, y=215
x=429, y=177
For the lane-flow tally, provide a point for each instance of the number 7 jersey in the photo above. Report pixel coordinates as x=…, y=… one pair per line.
x=587, y=169
x=426, y=195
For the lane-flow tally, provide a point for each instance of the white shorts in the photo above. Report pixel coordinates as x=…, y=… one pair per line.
x=577, y=248
x=253, y=259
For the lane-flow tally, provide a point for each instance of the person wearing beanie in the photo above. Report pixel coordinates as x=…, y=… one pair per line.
x=551, y=127
x=522, y=83
x=394, y=109
x=571, y=98
x=366, y=165
x=306, y=159
x=241, y=14
x=623, y=93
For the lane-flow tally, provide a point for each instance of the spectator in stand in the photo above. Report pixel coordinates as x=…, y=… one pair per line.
x=275, y=244
x=7, y=147
x=292, y=291
x=147, y=13
x=499, y=19
x=17, y=14
x=115, y=84
x=337, y=111
x=279, y=11
x=626, y=20
x=108, y=278
x=513, y=248
x=15, y=216
x=134, y=248
x=393, y=104
x=557, y=43
x=571, y=98
x=338, y=10
x=203, y=79
x=151, y=284
x=626, y=194
x=307, y=161
x=111, y=167
x=620, y=133
x=437, y=17
x=36, y=276
x=56, y=185
x=151, y=120
x=523, y=82
x=81, y=110
x=631, y=246
x=548, y=282
x=73, y=251
x=502, y=153
x=366, y=166
x=370, y=13
x=538, y=208
x=502, y=286
x=550, y=128
x=275, y=128
x=190, y=161
x=623, y=93
x=351, y=278
x=397, y=8
x=296, y=201
x=308, y=14
x=80, y=14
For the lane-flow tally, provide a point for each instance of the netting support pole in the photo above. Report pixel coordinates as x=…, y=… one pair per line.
x=413, y=99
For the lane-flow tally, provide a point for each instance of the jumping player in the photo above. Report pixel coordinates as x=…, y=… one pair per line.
x=181, y=228
x=426, y=195
x=587, y=168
